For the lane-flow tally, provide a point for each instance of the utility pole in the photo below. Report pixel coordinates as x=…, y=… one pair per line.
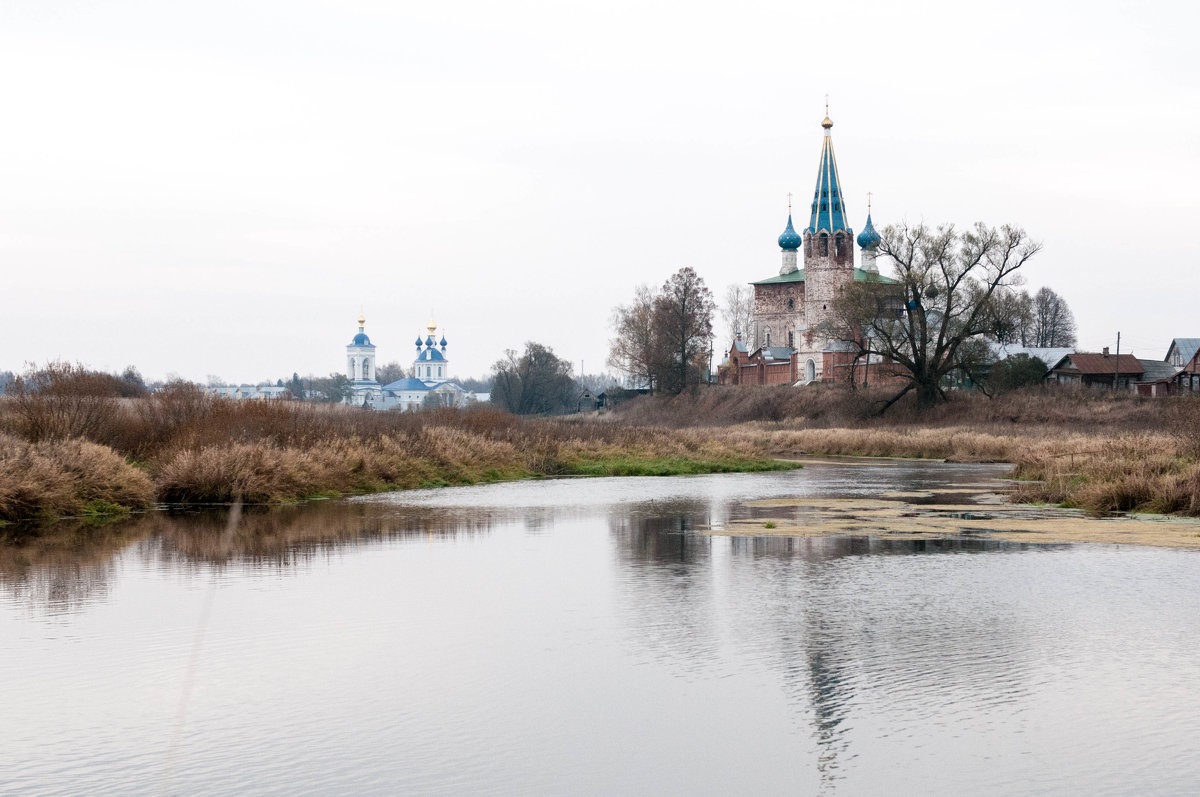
x=1117, y=367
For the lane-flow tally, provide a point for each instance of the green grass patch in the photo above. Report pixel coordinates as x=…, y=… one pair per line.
x=672, y=466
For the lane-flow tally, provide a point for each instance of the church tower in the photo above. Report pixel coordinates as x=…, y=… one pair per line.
x=431, y=366
x=360, y=356
x=828, y=245
x=360, y=369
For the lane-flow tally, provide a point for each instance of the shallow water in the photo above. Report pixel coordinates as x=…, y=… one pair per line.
x=579, y=636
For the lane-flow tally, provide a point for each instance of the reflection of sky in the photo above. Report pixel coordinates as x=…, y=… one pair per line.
x=574, y=636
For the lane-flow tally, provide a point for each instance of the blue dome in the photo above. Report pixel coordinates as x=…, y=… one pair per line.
x=431, y=355
x=361, y=339
x=868, y=238
x=790, y=241
x=418, y=342
x=429, y=340
x=443, y=342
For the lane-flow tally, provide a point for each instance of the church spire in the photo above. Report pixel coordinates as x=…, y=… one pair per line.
x=828, y=210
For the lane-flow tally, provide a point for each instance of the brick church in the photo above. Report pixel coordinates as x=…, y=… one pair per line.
x=792, y=325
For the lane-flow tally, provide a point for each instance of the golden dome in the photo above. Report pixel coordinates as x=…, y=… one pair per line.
x=828, y=123
x=362, y=319
x=431, y=326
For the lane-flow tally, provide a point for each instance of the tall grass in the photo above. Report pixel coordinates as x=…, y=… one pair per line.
x=197, y=448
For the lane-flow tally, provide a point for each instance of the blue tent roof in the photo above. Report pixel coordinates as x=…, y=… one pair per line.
x=828, y=209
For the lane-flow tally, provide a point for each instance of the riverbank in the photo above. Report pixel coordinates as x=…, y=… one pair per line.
x=1091, y=450
x=182, y=446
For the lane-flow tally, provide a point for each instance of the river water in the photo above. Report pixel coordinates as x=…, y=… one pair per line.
x=584, y=637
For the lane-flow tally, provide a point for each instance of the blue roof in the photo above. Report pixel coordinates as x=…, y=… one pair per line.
x=431, y=355
x=407, y=384
x=361, y=339
x=828, y=209
x=868, y=238
x=790, y=240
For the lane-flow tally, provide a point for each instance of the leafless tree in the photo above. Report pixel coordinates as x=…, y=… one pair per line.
x=535, y=382
x=636, y=349
x=954, y=289
x=738, y=315
x=683, y=317
x=1052, y=324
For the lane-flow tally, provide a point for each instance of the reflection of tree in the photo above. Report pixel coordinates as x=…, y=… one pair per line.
x=667, y=589
x=60, y=567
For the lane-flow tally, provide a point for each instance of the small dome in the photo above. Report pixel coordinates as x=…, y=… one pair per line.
x=442, y=343
x=418, y=342
x=868, y=238
x=362, y=319
x=361, y=339
x=789, y=241
x=827, y=122
x=429, y=340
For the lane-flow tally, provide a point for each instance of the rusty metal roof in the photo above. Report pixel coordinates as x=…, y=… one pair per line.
x=1091, y=363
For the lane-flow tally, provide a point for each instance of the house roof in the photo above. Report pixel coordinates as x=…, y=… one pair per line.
x=1093, y=363
x=798, y=276
x=1154, y=370
x=1050, y=356
x=1185, y=346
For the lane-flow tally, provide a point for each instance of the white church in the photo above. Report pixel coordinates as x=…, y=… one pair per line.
x=430, y=383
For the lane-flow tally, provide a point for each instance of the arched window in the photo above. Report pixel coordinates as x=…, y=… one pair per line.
x=810, y=371
x=439, y=371
x=353, y=368
x=428, y=371
x=824, y=244
x=838, y=240
x=366, y=369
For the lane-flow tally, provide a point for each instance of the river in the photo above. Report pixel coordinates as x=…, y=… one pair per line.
x=593, y=636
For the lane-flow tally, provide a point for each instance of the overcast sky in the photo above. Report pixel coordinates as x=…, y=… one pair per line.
x=219, y=188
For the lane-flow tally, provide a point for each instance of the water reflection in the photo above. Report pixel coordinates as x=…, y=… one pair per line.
x=531, y=635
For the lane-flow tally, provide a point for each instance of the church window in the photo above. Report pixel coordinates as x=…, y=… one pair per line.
x=824, y=244
x=791, y=304
x=824, y=206
x=366, y=369
x=791, y=339
x=428, y=371
x=439, y=371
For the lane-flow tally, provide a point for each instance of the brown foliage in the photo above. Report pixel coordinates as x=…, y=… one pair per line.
x=56, y=478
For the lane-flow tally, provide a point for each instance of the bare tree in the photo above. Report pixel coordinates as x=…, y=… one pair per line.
x=1052, y=324
x=536, y=382
x=683, y=317
x=636, y=349
x=738, y=315
x=954, y=288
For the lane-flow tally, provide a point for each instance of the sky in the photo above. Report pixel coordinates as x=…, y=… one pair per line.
x=218, y=189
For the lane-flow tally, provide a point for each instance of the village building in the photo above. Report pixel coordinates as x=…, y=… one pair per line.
x=429, y=385
x=793, y=324
x=1088, y=369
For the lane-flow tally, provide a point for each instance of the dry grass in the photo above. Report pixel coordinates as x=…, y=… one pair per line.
x=57, y=478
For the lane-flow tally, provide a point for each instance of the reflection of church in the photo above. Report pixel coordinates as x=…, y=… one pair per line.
x=795, y=342
x=429, y=384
